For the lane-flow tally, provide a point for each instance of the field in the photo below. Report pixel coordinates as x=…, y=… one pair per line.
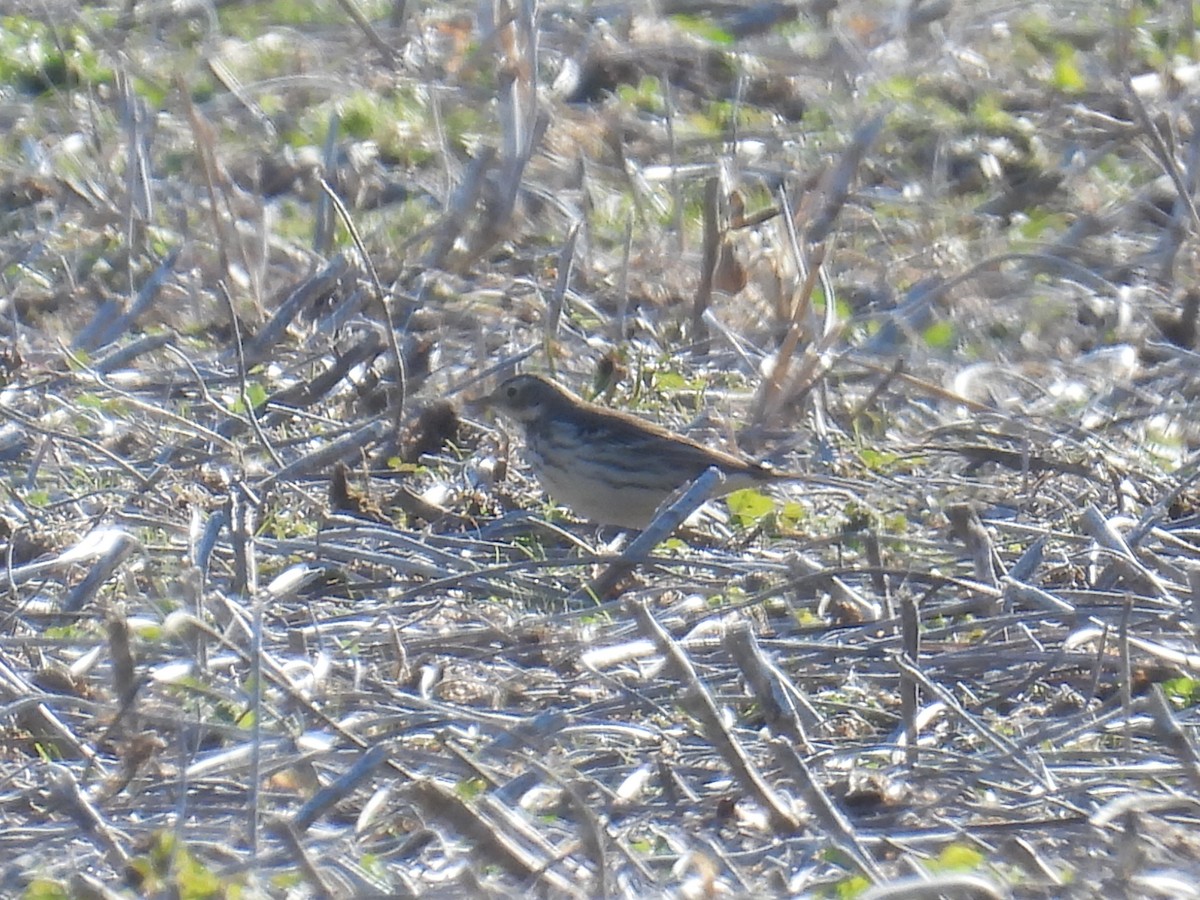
x=285, y=612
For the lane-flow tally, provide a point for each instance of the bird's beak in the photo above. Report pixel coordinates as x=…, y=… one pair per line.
x=487, y=402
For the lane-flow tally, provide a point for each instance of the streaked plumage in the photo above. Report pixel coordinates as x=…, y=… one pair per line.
x=609, y=466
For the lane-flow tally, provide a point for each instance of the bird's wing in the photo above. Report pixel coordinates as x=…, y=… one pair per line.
x=638, y=437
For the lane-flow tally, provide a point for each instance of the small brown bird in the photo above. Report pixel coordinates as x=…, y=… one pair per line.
x=609, y=466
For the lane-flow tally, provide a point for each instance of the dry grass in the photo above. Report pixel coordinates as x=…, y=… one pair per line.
x=223, y=229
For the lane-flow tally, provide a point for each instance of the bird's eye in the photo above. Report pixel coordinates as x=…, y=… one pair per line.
x=511, y=392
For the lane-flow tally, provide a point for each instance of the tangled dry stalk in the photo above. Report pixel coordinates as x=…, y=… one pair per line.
x=946, y=255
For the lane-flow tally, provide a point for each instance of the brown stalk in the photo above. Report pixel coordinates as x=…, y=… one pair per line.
x=698, y=701
x=202, y=135
x=495, y=843
x=832, y=821
x=708, y=265
x=772, y=689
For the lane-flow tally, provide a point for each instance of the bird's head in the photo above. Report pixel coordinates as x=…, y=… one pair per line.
x=527, y=398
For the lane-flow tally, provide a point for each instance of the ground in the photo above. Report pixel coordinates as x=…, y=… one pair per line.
x=286, y=613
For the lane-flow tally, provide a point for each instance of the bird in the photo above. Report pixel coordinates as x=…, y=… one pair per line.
x=610, y=467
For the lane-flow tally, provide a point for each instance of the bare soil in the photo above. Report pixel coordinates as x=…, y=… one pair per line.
x=284, y=612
